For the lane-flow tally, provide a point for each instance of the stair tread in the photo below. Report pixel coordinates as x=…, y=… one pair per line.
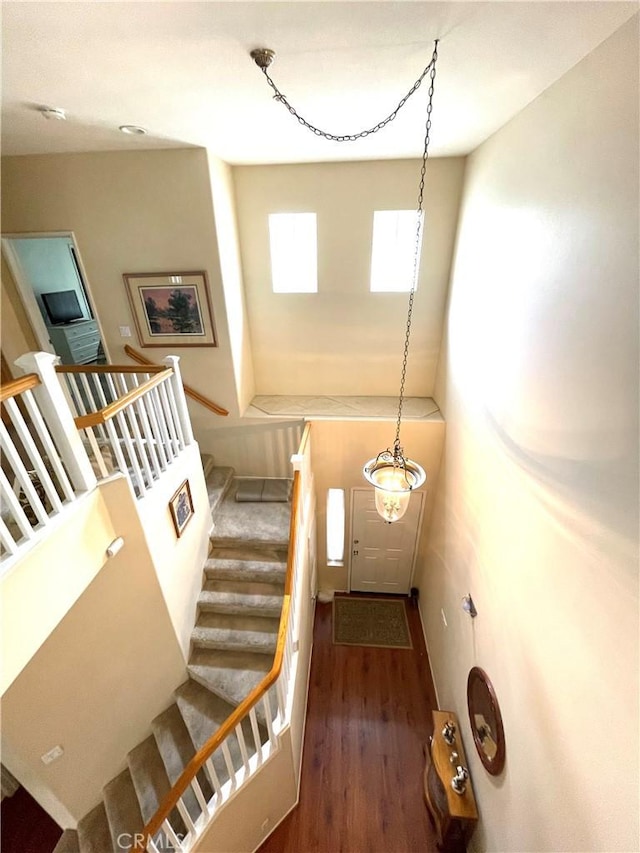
x=266, y=602
x=68, y=842
x=232, y=675
x=93, y=832
x=247, y=564
x=236, y=631
x=122, y=808
x=254, y=525
x=176, y=749
x=202, y=711
x=149, y=776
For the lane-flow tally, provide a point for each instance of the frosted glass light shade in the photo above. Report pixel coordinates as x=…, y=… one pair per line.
x=393, y=484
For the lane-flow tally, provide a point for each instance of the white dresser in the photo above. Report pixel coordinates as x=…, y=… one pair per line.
x=76, y=343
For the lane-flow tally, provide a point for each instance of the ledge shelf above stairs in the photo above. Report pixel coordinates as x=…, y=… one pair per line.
x=233, y=643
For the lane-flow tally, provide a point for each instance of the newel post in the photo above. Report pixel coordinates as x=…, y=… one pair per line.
x=58, y=417
x=172, y=361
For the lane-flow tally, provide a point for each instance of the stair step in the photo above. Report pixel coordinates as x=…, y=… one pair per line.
x=204, y=712
x=123, y=810
x=248, y=564
x=259, y=599
x=177, y=750
x=149, y=776
x=218, y=481
x=93, y=832
x=253, y=525
x=152, y=785
x=236, y=632
x=68, y=842
x=231, y=675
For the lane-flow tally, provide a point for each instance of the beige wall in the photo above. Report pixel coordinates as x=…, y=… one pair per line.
x=16, y=334
x=95, y=684
x=339, y=450
x=537, y=507
x=224, y=204
x=178, y=562
x=135, y=211
x=333, y=341
x=37, y=592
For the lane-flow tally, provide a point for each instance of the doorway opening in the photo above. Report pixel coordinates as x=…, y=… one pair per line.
x=54, y=291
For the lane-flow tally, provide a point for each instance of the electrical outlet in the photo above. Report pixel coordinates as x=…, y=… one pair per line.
x=444, y=618
x=125, y=332
x=50, y=756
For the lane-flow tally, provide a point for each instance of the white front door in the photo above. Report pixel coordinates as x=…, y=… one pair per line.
x=382, y=554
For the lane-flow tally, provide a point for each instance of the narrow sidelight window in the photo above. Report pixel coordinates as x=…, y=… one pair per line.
x=335, y=527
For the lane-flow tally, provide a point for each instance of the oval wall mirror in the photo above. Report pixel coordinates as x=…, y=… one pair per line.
x=486, y=721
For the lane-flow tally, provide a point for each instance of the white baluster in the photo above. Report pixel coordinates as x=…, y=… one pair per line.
x=224, y=746
x=253, y=719
x=44, y=435
x=243, y=747
x=213, y=778
x=57, y=415
x=8, y=542
x=197, y=790
x=173, y=361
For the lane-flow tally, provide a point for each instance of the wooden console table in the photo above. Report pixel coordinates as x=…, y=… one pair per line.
x=454, y=815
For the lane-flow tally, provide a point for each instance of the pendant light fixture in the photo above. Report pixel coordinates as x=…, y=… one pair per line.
x=393, y=475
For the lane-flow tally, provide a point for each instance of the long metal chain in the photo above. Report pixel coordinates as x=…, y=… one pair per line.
x=416, y=251
x=351, y=137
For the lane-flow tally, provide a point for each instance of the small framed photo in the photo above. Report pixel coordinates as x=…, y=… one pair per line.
x=171, y=309
x=181, y=506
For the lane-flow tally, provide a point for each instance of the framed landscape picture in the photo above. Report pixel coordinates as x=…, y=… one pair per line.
x=181, y=507
x=171, y=309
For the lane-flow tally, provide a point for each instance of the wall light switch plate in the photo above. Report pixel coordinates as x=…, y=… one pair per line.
x=50, y=756
x=125, y=332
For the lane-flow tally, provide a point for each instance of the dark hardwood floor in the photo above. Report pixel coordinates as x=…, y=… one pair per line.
x=369, y=715
x=25, y=827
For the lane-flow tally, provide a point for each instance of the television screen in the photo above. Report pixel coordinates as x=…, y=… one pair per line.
x=62, y=306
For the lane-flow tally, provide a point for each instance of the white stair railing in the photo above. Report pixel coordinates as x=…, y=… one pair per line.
x=132, y=420
x=44, y=465
x=270, y=703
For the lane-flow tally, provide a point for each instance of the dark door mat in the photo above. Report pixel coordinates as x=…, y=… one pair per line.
x=371, y=622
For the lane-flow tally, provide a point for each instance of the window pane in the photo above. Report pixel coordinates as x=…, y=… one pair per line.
x=335, y=527
x=392, y=251
x=293, y=241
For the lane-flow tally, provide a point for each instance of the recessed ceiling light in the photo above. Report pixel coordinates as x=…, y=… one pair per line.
x=132, y=129
x=53, y=112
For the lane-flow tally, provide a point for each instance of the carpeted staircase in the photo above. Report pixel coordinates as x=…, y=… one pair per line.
x=233, y=644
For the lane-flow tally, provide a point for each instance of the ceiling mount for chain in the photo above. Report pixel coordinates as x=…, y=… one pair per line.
x=263, y=57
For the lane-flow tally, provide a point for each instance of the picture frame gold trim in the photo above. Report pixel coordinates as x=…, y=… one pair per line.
x=181, y=507
x=171, y=309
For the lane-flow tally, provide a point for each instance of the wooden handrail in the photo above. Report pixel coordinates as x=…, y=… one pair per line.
x=19, y=386
x=188, y=774
x=107, y=412
x=107, y=368
x=188, y=390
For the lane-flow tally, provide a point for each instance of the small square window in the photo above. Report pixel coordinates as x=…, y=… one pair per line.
x=294, y=252
x=393, y=249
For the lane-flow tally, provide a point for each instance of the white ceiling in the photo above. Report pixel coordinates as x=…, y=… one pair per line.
x=182, y=70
